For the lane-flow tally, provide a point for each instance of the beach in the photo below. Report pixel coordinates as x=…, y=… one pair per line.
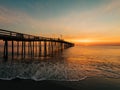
x=87, y=84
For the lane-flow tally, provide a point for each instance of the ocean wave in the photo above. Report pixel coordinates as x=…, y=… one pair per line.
x=66, y=68
x=39, y=71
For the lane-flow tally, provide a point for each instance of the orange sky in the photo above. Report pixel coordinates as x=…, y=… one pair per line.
x=80, y=21
x=94, y=41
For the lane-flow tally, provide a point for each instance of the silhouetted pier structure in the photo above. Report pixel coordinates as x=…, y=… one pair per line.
x=31, y=45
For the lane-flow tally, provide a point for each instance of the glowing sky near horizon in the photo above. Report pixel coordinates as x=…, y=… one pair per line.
x=75, y=20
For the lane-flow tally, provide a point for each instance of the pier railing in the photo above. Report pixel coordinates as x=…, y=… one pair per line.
x=4, y=34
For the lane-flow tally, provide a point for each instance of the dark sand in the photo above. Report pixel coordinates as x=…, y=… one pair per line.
x=87, y=84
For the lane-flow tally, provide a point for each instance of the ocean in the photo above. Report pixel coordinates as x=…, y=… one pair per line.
x=73, y=64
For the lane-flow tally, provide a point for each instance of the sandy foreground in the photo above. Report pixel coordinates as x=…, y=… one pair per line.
x=87, y=84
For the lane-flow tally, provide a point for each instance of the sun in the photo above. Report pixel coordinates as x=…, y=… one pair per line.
x=84, y=40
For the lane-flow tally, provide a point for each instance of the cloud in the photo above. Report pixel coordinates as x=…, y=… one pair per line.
x=19, y=19
x=74, y=24
x=99, y=16
x=91, y=14
x=114, y=5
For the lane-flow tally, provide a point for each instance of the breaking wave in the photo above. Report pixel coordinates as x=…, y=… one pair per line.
x=87, y=62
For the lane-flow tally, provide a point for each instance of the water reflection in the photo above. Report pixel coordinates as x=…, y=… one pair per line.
x=75, y=63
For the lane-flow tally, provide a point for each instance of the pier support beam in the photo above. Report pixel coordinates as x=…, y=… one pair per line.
x=5, y=50
x=45, y=48
x=24, y=49
x=17, y=48
x=33, y=50
x=40, y=48
x=12, y=49
x=30, y=45
x=36, y=48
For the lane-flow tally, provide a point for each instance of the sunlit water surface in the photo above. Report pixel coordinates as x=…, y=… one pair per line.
x=73, y=64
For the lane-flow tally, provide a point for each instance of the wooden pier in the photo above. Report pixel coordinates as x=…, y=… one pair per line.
x=31, y=45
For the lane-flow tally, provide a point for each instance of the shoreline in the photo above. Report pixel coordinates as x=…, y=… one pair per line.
x=86, y=84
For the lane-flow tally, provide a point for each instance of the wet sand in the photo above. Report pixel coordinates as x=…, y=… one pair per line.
x=87, y=84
